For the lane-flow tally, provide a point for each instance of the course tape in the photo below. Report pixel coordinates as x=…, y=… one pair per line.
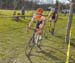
x=68, y=50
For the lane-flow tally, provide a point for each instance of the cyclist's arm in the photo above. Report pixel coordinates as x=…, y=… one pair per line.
x=50, y=14
x=32, y=20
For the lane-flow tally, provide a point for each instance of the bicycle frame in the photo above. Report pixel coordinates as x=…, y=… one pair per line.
x=31, y=44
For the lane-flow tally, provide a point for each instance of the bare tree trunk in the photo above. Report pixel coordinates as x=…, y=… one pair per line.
x=0, y=4
x=15, y=4
x=33, y=4
x=69, y=22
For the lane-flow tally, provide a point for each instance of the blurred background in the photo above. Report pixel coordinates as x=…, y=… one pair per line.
x=33, y=4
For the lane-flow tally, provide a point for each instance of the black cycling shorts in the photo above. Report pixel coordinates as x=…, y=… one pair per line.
x=53, y=17
x=38, y=23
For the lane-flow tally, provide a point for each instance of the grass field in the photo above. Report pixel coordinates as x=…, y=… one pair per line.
x=13, y=39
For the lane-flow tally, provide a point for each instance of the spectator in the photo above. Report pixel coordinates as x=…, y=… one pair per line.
x=23, y=12
x=17, y=17
x=14, y=15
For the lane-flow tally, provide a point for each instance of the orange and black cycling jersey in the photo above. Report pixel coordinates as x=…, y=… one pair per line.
x=38, y=23
x=39, y=18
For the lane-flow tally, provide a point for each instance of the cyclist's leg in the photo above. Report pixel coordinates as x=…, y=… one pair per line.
x=40, y=35
x=50, y=25
x=53, y=26
x=36, y=37
x=37, y=42
x=50, y=22
x=40, y=32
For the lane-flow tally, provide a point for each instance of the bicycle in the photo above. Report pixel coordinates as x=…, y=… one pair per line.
x=31, y=44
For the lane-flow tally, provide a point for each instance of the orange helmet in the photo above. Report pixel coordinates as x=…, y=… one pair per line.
x=39, y=11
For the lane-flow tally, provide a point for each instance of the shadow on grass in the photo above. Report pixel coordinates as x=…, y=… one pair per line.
x=47, y=55
x=61, y=37
x=55, y=36
x=29, y=58
x=60, y=18
x=58, y=50
x=54, y=49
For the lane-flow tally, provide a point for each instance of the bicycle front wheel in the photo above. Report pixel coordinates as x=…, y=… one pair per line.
x=29, y=46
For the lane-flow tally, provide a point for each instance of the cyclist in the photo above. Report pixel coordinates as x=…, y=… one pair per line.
x=23, y=12
x=40, y=22
x=17, y=17
x=53, y=18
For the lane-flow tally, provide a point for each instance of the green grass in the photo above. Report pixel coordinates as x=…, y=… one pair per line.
x=13, y=39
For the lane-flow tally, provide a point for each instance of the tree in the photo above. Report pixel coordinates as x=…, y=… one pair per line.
x=14, y=4
x=0, y=3
x=69, y=22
